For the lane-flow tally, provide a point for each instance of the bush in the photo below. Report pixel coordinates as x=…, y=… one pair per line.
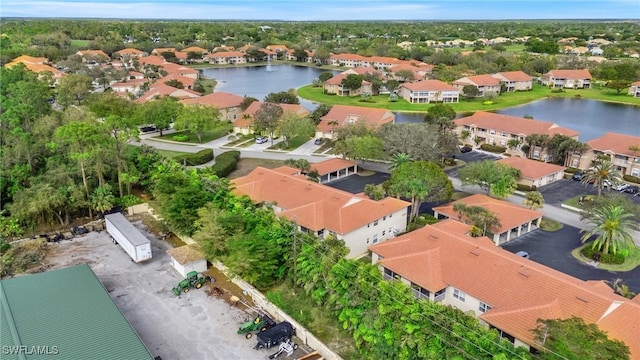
x=128, y=200
x=199, y=158
x=506, y=154
x=522, y=187
x=570, y=170
x=22, y=256
x=493, y=148
x=633, y=179
x=180, y=138
x=592, y=254
x=226, y=163
x=557, y=91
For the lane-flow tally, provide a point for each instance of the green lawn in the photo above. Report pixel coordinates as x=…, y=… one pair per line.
x=207, y=136
x=208, y=84
x=83, y=44
x=293, y=144
x=503, y=101
x=630, y=263
x=170, y=153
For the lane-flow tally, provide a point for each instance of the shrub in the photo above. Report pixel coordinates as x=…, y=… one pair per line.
x=522, y=187
x=128, y=200
x=506, y=154
x=199, y=158
x=633, y=179
x=593, y=254
x=23, y=255
x=493, y=148
x=226, y=163
x=556, y=91
x=570, y=170
x=488, y=102
x=180, y=137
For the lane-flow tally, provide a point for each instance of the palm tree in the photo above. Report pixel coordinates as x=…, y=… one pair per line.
x=600, y=172
x=612, y=227
x=513, y=143
x=398, y=159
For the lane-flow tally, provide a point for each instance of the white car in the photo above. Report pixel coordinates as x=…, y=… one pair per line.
x=620, y=187
x=261, y=140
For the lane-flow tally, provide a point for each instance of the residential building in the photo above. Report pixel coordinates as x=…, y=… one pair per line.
x=334, y=86
x=180, y=70
x=129, y=86
x=187, y=82
x=195, y=49
x=572, y=79
x=534, y=173
x=36, y=65
x=624, y=151
x=228, y=104
x=244, y=123
x=227, y=58
x=93, y=56
x=634, y=89
x=515, y=220
x=279, y=48
x=65, y=313
x=442, y=263
x=419, y=72
x=160, y=51
x=158, y=90
x=343, y=115
x=152, y=60
x=322, y=210
x=128, y=53
x=334, y=169
x=26, y=59
x=496, y=129
x=348, y=60
x=428, y=91
x=514, y=80
x=487, y=85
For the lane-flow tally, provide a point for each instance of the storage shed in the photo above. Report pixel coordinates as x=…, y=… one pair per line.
x=187, y=258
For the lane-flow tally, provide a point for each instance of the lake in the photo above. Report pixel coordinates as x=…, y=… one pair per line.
x=590, y=117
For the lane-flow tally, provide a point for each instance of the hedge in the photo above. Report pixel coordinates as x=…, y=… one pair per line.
x=199, y=158
x=633, y=179
x=226, y=163
x=590, y=253
x=522, y=187
x=571, y=170
x=493, y=148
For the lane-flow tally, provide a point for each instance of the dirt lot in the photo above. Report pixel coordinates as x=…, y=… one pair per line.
x=192, y=326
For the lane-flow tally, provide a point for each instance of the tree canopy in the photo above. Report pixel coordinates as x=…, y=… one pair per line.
x=495, y=178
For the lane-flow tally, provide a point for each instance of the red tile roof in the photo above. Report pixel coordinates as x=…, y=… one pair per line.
x=520, y=291
x=26, y=59
x=186, y=81
x=347, y=57
x=345, y=115
x=510, y=215
x=513, y=124
x=225, y=54
x=130, y=52
x=616, y=143
x=172, y=68
x=314, y=206
x=429, y=85
x=532, y=169
x=93, y=53
x=245, y=121
x=220, y=100
x=569, y=74
x=478, y=80
x=195, y=49
x=515, y=76
x=160, y=90
x=332, y=165
x=152, y=60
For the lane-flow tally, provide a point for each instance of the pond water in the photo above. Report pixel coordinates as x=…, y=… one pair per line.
x=590, y=117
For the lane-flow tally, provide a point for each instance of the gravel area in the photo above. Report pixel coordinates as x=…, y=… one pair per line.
x=192, y=326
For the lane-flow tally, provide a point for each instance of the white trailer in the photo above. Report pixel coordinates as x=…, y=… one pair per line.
x=128, y=237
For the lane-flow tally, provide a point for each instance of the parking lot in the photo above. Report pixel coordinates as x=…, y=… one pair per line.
x=553, y=249
x=476, y=156
x=561, y=190
x=355, y=183
x=192, y=326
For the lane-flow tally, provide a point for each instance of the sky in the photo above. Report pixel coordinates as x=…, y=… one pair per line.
x=338, y=10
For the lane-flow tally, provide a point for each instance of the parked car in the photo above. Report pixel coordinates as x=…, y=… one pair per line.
x=523, y=254
x=318, y=141
x=261, y=140
x=620, y=186
x=577, y=176
x=465, y=149
x=148, y=128
x=631, y=189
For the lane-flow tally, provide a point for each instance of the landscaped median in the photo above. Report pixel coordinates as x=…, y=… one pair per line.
x=631, y=261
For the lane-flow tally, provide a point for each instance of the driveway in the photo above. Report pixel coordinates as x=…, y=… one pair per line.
x=553, y=249
x=355, y=183
x=474, y=155
x=557, y=192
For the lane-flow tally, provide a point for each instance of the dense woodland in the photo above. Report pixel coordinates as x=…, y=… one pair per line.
x=69, y=158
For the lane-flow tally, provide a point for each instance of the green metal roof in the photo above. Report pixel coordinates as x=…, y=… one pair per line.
x=68, y=314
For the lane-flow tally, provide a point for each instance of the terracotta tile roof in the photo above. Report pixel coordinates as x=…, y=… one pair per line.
x=196, y=49
x=332, y=165
x=345, y=115
x=478, y=80
x=220, y=100
x=246, y=121
x=225, y=54
x=363, y=71
x=181, y=55
x=160, y=90
x=531, y=169
x=519, y=290
x=130, y=52
x=93, y=53
x=510, y=215
x=152, y=60
x=223, y=48
x=383, y=59
x=569, y=74
x=172, y=68
x=25, y=59
x=314, y=206
x=616, y=143
x=186, y=254
x=514, y=76
x=129, y=83
x=337, y=79
x=513, y=124
x=277, y=47
x=159, y=51
x=347, y=57
x=37, y=68
x=429, y=85
x=637, y=83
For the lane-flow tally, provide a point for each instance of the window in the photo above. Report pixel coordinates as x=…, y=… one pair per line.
x=505, y=134
x=419, y=291
x=439, y=295
x=384, y=232
x=367, y=240
x=369, y=225
x=492, y=132
x=484, y=307
x=375, y=223
x=375, y=238
x=384, y=218
x=390, y=215
x=503, y=142
x=536, y=154
x=574, y=163
x=635, y=172
x=458, y=295
x=491, y=141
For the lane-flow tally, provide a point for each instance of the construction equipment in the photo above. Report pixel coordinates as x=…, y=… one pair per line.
x=193, y=280
x=274, y=336
x=261, y=323
x=285, y=347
